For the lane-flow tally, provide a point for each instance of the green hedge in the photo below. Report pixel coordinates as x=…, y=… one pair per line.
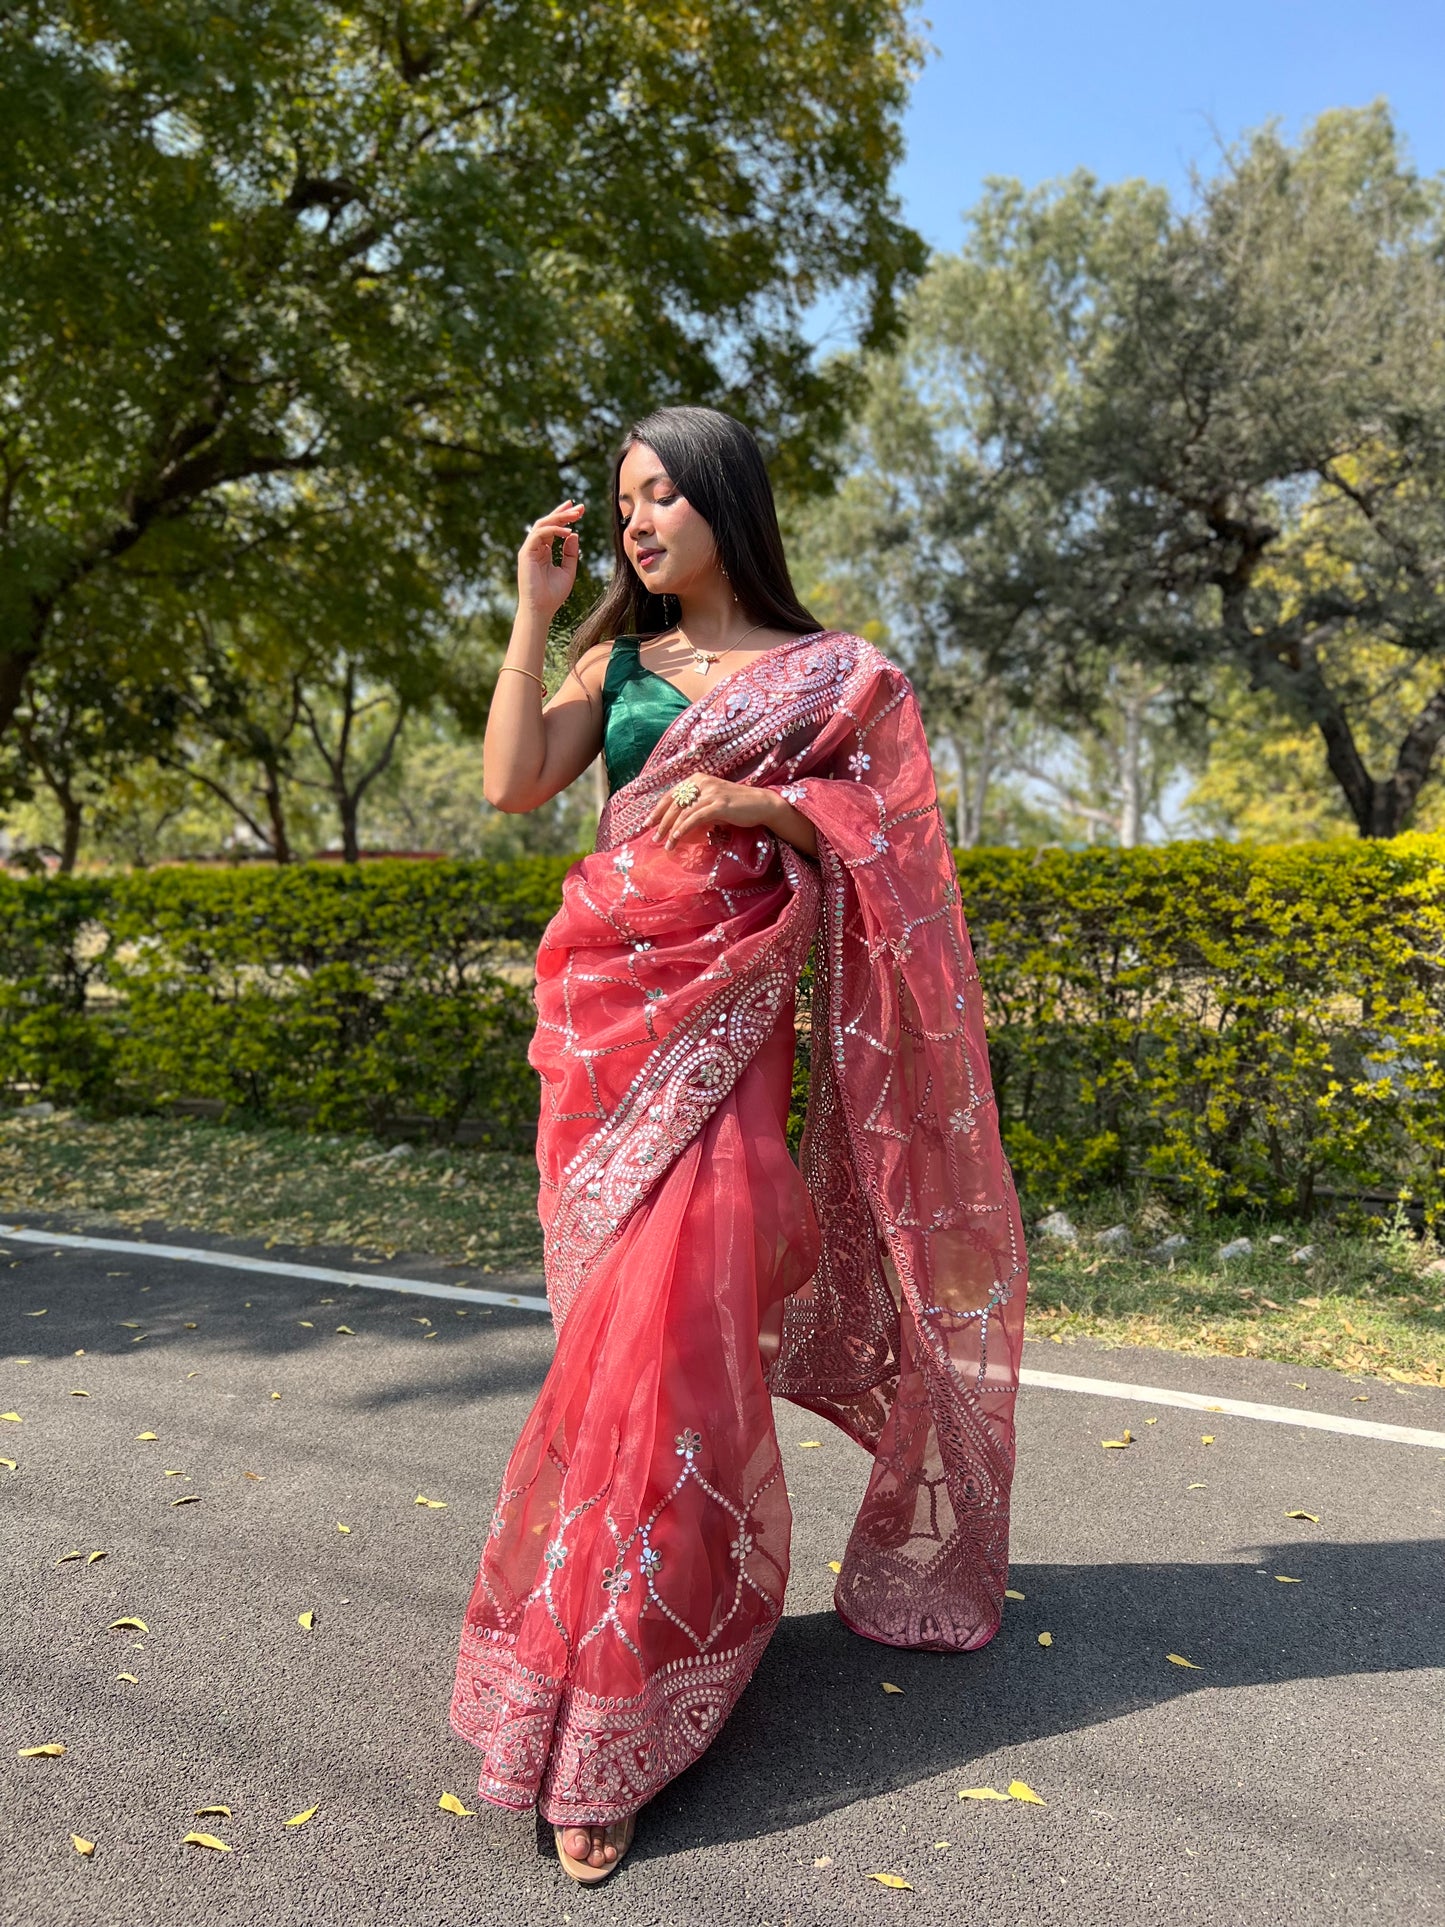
x=1255, y=1024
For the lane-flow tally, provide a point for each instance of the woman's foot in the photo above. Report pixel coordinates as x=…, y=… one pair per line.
x=589, y=1854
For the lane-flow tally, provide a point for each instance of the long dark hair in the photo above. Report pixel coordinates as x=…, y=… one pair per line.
x=717, y=465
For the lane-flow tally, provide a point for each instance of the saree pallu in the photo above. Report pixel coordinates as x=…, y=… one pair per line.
x=638, y=1554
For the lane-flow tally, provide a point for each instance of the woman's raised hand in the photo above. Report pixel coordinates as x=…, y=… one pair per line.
x=542, y=584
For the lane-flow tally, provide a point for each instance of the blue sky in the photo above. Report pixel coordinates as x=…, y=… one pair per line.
x=1145, y=87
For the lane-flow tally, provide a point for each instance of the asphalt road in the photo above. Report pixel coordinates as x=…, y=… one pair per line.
x=1296, y=1776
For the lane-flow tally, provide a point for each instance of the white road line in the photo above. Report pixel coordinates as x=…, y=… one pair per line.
x=1363, y=1428
x=521, y=1301
x=318, y=1274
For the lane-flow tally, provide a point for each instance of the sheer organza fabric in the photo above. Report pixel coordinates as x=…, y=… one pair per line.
x=638, y=1553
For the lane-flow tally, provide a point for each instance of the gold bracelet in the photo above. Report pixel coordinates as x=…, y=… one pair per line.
x=517, y=671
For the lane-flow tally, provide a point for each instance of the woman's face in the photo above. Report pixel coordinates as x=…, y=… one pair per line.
x=666, y=540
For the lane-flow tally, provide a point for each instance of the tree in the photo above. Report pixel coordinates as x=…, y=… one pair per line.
x=1217, y=437
x=920, y=546
x=277, y=267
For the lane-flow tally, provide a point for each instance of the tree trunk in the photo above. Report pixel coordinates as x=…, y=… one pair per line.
x=1131, y=755
x=15, y=666
x=276, y=813
x=348, y=808
x=73, y=817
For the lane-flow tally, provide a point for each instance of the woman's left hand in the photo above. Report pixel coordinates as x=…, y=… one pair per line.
x=738, y=804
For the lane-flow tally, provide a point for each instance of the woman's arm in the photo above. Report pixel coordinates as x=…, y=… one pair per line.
x=740, y=804
x=531, y=752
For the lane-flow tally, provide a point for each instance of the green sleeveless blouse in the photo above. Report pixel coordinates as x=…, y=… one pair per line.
x=637, y=706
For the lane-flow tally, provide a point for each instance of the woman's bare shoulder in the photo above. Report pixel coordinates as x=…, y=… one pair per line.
x=591, y=667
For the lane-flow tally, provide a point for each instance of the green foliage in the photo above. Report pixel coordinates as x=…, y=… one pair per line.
x=1204, y=440
x=307, y=308
x=1253, y=1026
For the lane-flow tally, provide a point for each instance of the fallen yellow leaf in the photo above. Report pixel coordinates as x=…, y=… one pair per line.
x=437, y=1505
x=1206, y=1438
x=1199, y=1485
x=835, y=1565
x=207, y=1813
x=1151, y=1421
x=10, y=1465
x=449, y=1803
x=275, y=1395
x=1313, y=1517
x=300, y=1819
x=14, y=1417
x=347, y=1329
x=1285, y=1580
x=129, y=1677
x=78, y=1394
x=808, y=1445
x=1010, y=1594
x=187, y=1498
x=939, y=1846
x=1178, y=1659
x=306, y=1621
x=1018, y=1790
x=306, y=1326
x=84, y=1847
x=77, y=1554
x=342, y=1528
x=206, y=1840
x=127, y=1626
x=1046, y=1639
x=1115, y=1445
x=91, y=1557
x=1300, y=1384
x=131, y=1324
x=51, y=1750
x=980, y=1793
x=146, y=1435
x=892, y=1880
x=889, y=1687
x=824, y=1860
x=33, y=1314
x=174, y=1473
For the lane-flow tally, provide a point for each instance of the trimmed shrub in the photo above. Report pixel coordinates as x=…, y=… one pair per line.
x=1253, y=1024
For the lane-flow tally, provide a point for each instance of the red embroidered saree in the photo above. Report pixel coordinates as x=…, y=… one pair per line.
x=638, y=1553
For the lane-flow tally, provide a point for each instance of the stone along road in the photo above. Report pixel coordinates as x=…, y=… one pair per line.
x=1292, y=1773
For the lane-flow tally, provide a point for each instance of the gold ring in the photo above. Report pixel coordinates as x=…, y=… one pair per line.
x=686, y=793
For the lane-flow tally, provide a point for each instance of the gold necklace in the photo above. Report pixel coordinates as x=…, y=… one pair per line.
x=703, y=659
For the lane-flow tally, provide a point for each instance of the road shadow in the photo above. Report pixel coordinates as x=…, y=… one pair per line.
x=815, y=1732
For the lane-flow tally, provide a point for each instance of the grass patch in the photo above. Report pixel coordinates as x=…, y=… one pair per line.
x=1366, y=1301
x=283, y=1186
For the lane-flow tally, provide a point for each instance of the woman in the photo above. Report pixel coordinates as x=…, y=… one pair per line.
x=771, y=795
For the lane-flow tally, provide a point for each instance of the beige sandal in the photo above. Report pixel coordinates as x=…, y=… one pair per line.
x=619, y=1835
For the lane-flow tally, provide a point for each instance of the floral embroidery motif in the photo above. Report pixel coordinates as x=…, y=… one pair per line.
x=859, y=763
x=616, y=1580
x=793, y=792
x=687, y=1444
